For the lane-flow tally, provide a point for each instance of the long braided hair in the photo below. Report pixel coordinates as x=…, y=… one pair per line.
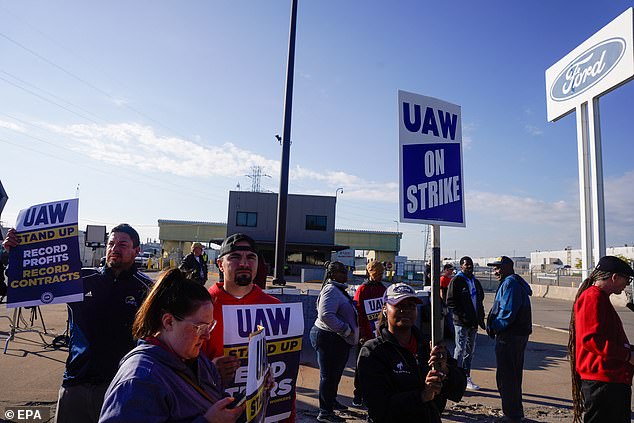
x=577, y=395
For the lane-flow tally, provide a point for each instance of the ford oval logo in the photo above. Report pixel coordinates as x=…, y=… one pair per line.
x=587, y=69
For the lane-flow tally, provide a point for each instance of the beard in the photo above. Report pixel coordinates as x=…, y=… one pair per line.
x=243, y=280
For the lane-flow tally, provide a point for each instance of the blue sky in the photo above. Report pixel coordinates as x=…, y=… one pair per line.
x=157, y=109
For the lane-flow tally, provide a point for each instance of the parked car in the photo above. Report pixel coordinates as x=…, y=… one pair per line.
x=142, y=259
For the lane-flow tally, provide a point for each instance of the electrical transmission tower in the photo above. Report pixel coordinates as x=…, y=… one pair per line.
x=256, y=176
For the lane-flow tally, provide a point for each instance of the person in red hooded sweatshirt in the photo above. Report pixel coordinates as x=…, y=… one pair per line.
x=238, y=261
x=601, y=357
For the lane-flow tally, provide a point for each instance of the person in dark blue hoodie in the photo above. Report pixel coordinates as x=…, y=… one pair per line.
x=510, y=324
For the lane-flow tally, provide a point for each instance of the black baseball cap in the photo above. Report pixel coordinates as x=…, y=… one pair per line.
x=614, y=264
x=500, y=261
x=229, y=244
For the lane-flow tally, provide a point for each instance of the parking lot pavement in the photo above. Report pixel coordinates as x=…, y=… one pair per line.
x=31, y=371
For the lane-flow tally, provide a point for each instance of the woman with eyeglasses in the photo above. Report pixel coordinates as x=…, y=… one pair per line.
x=401, y=378
x=166, y=378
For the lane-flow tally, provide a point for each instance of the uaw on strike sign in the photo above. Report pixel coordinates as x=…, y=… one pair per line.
x=283, y=327
x=45, y=267
x=430, y=153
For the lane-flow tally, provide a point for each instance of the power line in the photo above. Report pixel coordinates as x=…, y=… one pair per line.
x=89, y=84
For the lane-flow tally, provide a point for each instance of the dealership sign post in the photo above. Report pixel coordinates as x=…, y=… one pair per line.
x=602, y=63
x=430, y=176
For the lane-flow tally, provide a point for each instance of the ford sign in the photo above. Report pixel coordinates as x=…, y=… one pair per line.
x=587, y=69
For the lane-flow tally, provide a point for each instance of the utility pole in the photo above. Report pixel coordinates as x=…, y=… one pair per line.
x=282, y=198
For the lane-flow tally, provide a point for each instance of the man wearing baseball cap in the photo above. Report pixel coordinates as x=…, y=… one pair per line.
x=599, y=350
x=195, y=265
x=238, y=260
x=510, y=323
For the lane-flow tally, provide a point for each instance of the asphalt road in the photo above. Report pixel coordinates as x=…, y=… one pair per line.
x=31, y=371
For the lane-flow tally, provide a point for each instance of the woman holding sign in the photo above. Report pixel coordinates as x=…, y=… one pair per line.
x=166, y=378
x=400, y=377
x=335, y=331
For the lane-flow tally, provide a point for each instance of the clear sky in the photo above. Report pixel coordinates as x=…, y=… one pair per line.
x=157, y=109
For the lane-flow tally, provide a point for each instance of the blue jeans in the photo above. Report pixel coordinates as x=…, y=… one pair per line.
x=332, y=356
x=465, y=346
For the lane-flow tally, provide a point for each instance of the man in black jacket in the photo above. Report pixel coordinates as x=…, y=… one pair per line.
x=465, y=298
x=195, y=265
x=100, y=325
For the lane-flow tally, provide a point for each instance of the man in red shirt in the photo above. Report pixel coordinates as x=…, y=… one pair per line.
x=238, y=261
x=599, y=350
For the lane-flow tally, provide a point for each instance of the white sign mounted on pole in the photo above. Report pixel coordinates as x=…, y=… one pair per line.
x=602, y=63
x=430, y=161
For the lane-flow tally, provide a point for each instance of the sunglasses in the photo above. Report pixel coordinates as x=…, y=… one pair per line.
x=201, y=328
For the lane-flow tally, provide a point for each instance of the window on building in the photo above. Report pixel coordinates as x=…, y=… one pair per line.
x=249, y=219
x=315, y=223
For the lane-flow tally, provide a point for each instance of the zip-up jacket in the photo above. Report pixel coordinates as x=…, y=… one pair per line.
x=511, y=310
x=460, y=303
x=148, y=388
x=602, y=350
x=196, y=267
x=336, y=312
x=101, y=325
x=392, y=379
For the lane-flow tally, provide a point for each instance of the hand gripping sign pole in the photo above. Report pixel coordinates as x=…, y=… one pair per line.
x=602, y=63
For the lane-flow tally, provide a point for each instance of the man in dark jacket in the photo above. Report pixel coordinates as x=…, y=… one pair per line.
x=465, y=298
x=195, y=265
x=100, y=325
x=510, y=323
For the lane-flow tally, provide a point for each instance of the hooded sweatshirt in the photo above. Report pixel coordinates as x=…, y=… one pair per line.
x=147, y=388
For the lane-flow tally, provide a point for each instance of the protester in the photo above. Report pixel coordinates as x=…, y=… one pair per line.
x=335, y=331
x=195, y=264
x=166, y=378
x=510, y=324
x=370, y=290
x=600, y=354
x=238, y=261
x=401, y=378
x=445, y=279
x=100, y=325
x=465, y=298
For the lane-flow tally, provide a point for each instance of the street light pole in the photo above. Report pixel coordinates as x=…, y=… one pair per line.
x=396, y=221
x=282, y=198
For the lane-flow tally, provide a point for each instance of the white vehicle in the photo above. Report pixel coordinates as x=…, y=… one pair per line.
x=142, y=259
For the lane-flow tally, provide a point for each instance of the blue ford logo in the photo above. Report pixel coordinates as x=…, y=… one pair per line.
x=587, y=69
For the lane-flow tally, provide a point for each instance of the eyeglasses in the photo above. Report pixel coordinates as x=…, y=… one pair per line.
x=629, y=279
x=201, y=328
